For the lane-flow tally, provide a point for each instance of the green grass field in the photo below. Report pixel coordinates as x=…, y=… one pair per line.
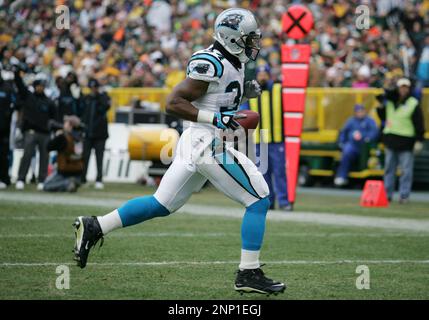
x=194, y=256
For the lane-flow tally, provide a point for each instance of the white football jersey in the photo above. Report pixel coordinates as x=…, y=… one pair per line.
x=226, y=86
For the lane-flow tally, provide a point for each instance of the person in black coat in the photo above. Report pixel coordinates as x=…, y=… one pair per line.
x=7, y=99
x=37, y=111
x=69, y=101
x=95, y=107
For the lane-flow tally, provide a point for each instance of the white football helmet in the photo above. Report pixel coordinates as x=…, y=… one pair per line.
x=238, y=32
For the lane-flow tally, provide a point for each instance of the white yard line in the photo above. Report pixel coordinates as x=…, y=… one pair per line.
x=203, y=263
x=35, y=218
x=63, y=199
x=219, y=235
x=316, y=218
x=124, y=235
x=228, y=212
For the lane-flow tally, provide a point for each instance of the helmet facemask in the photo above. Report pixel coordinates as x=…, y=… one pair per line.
x=251, y=45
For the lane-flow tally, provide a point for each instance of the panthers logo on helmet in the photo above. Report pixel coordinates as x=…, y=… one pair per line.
x=231, y=21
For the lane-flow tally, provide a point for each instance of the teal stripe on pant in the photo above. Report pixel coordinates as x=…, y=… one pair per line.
x=236, y=172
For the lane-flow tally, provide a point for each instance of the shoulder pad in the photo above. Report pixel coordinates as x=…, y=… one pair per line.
x=205, y=65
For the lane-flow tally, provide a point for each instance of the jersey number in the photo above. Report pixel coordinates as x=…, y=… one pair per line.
x=233, y=87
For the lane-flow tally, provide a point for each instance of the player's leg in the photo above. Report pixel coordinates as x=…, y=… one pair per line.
x=175, y=189
x=236, y=175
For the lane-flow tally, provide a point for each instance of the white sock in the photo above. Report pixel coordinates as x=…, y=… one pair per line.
x=110, y=222
x=249, y=259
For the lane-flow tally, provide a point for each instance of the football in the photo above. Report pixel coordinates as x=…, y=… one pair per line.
x=247, y=119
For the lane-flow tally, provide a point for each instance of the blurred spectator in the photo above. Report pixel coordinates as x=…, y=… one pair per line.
x=95, y=107
x=175, y=75
x=423, y=65
x=69, y=102
x=159, y=16
x=402, y=134
x=134, y=43
x=37, y=111
x=357, y=131
x=68, y=142
x=363, y=76
x=7, y=104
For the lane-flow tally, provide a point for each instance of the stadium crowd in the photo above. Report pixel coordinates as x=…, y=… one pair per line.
x=124, y=43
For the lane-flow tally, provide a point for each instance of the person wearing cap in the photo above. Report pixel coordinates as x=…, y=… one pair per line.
x=403, y=135
x=358, y=130
x=36, y=112
x=95, y=107
x=268, y=105
x=68, y=142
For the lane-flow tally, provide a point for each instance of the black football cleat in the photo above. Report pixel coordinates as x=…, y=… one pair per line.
x=87, y=232
x=254, y=280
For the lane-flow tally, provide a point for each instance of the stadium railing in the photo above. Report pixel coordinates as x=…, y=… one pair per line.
x=126, y=96
x=326, y=108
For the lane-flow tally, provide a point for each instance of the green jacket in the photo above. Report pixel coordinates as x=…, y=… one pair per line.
x=399, y=120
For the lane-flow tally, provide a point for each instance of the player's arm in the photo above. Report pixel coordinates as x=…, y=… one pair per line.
x=179, y=104
x=22, y=89
x=179, y=101
x=203, y=69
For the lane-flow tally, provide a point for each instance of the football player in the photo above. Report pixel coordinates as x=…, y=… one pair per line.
x=208, y=97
